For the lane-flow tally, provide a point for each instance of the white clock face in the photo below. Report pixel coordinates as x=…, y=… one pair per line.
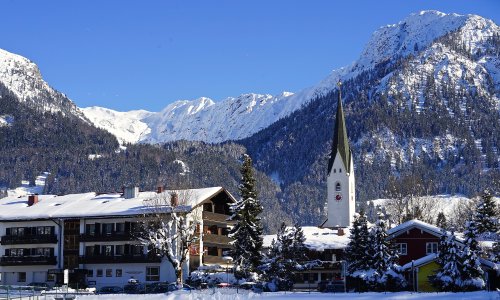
x=338, y=197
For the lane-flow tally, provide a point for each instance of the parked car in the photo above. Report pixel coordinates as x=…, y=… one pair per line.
x=134, y=288
x=159, y=287
x=39, y=286
x=110, y=290
x=335, y=286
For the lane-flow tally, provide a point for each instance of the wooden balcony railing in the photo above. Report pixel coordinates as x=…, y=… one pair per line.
x=27, y=260
x=29, y=239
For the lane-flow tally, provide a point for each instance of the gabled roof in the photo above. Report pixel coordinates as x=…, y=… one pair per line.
x=340, y=143
x=93, y=205
x=408, y=225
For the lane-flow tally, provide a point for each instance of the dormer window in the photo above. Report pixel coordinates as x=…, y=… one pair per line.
x=337, y=187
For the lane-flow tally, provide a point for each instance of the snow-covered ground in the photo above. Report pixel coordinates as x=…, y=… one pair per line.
x=26, y=189
x=230, y=294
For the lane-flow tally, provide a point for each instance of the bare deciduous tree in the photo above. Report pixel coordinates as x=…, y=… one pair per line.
x=169, y=227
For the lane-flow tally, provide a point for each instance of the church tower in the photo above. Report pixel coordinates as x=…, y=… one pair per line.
x=340, y=179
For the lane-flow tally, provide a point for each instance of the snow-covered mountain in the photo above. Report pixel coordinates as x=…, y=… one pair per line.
x=239, y=117
x=21, y=77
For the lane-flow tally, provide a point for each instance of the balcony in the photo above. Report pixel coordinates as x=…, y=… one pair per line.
x=27, y=260
x=130, y=259
x=112, y=237
x=215, y=217
x=223, y=240
x=29, y=239
x=215, y=260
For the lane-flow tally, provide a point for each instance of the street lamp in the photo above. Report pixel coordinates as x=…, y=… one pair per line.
x=228, y=260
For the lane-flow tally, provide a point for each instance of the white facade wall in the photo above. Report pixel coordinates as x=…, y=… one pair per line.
x=340, y=212
x=34, y=273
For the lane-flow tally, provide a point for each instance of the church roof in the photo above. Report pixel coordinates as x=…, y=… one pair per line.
x=340, y=144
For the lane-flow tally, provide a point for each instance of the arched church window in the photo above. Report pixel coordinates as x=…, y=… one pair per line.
x=334, y=170
x=340, y=170
x=337, y=187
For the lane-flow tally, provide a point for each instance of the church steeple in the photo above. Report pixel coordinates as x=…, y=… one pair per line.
x=340, y=144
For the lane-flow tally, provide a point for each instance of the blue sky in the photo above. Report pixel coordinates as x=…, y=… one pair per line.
x=145, y=54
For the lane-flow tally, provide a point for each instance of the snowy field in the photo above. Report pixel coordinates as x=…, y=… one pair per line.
x=231, y=294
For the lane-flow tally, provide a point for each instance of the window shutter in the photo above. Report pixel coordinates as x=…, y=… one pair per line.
x=126, y=249
x=52, y=251
x=97, y=228
x=97, y=250
x=52, y=230
x=7, y=231
x=7, y=252
x=127, y=227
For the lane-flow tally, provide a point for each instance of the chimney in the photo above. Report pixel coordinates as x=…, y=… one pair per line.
x=32, y=199
x=131, y=192
x=340, y=231
x=174, y=199
x=160, y=189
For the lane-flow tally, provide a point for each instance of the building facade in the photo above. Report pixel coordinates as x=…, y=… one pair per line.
x=95, y=237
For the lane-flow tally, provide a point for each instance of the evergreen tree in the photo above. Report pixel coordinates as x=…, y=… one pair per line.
x=247, y=232
x=386, y=271
x=357, y=250
x=441, y=221
x=448, y=277
x=495, y=252
x=471, y=267
x=486, y=216
x=286, y=257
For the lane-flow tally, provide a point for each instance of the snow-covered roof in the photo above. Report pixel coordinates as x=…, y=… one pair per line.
x=414, y=224
x=93, y=205
x=318, y=239
x=408, y=225
x=419, y=262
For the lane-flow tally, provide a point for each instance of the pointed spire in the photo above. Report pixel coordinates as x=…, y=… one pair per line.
x=340, y=144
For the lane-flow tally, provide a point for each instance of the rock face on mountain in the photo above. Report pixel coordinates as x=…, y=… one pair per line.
x=22, y=78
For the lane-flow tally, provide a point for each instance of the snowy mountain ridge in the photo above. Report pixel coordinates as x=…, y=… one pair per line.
x=239, y=117
x=22, y=77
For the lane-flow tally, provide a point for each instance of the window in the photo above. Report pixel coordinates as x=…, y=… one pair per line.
x=51, y=276
x=212, y=251
x=431, y=248
x=402, y=248
x=107, y=228
x=120, y=228
x=119, y=250
x=17, y=252
x=19, y=231
x=90, y=229
x=99, y=272
x=109, y=272
x=118, y=273
x=334, y=170
x=340, y=170
x=42, y=252
x=207, y=207
x=90, y=273
x=108, y=250
x=212, y=229
x=334, y=257
x=313, y=277
x=152, y=273
x=224, y=231
x=89, y=250
x=337, y=187
x=21, y=277
x=44, y=230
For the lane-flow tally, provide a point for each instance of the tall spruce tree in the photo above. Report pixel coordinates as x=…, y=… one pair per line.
x=486, y=215
x=247, y=232
x=448, y=277
x=471, y=271
x=357, y=250
x=383, y=260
